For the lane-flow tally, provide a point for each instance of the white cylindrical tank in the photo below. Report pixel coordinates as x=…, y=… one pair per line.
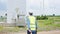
x=11, y=9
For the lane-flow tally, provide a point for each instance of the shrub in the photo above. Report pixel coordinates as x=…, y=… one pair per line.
x=41, y=17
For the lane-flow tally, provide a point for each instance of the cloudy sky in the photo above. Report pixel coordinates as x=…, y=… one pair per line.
x=3, y=6
x=47, y=7
x=39, y=7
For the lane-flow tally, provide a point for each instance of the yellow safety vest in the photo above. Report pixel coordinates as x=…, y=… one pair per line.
x=32, y=22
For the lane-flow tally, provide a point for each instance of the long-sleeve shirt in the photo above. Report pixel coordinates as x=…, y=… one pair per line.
x=28, y=23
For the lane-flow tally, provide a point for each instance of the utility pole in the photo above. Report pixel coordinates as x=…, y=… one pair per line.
x=43, y=6
x=17, y=15
x=17, y=11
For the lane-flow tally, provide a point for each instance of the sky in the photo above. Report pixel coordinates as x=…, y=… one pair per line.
x=49, y=7
x=3, y=7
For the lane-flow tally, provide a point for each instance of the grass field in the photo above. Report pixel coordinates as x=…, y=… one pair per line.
x=52, y=23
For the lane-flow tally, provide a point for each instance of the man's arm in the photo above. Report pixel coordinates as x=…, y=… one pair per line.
x=36, y=23
x=27, y=23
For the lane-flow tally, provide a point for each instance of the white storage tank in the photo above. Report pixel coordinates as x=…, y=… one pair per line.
x=12, y=11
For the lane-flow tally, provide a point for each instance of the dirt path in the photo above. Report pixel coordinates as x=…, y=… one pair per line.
x=49, y=32
x=44, y=32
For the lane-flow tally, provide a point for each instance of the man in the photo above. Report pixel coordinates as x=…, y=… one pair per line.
x=31, y=24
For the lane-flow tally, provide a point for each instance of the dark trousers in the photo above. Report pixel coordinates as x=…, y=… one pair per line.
x=33, y=32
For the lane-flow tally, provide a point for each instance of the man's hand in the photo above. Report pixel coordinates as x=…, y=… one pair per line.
x=29, y=30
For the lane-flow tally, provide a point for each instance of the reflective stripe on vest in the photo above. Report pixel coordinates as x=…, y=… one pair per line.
x=32, y=22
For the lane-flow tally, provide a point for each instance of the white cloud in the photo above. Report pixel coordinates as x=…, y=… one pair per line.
x=3, y=1
x=36, y=6
x=3, y=7
x=33, y=4
x=50, y=6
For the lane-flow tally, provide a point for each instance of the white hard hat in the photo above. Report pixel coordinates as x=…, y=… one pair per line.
x=31, y=11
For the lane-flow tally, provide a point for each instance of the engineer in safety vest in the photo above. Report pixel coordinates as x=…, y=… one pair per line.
x=31, y=24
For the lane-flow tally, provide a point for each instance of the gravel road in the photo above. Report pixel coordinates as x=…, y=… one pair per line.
x=44, y=32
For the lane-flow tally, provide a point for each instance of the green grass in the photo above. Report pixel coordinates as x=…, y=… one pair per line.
x=9, y=29
x=1, y=28
x=49, y=24
x=43, y=25
x=12, y=29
